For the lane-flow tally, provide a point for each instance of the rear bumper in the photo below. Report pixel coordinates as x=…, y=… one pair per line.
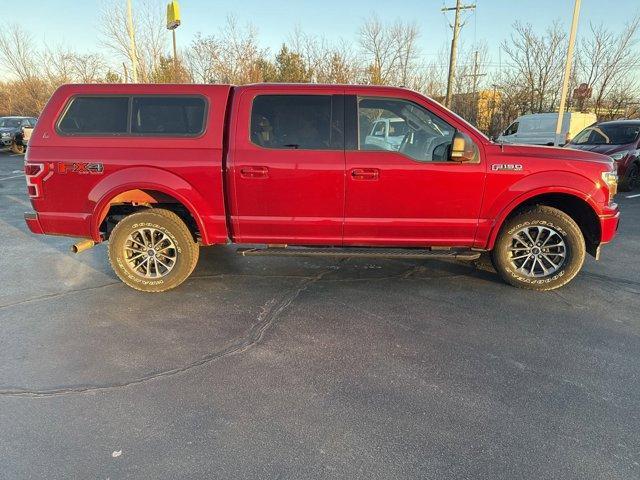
x=33, y=223
x=66, y=224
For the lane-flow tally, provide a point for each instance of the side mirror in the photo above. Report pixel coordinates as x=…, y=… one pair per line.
x=463, y=149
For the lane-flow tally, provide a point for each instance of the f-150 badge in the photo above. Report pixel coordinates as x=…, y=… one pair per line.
x=513, y=167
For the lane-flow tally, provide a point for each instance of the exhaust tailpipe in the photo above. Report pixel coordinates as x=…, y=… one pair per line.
x=82, y=246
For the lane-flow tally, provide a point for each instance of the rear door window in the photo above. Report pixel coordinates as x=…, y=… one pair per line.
x=297, y=122
x=181, y=116
x=96, y=115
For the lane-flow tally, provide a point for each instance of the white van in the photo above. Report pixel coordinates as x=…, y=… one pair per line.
x=540, y=128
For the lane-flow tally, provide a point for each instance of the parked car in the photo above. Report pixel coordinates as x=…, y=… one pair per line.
x=10, y=126
x=620, y=139
x=540, y=128
x=158, y=170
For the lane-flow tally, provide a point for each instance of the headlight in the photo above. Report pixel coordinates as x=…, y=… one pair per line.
x=5, y=134
x=619, y=155
x=611, y=179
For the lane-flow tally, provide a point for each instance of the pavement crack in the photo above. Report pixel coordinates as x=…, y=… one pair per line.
x=49, y=296
x=270, y=314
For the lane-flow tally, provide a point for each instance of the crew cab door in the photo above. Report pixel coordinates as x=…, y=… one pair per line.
x=415, y=196
x=287, y=166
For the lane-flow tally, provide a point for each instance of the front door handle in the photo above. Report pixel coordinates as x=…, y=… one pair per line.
x=254, y=172
x=365, y=174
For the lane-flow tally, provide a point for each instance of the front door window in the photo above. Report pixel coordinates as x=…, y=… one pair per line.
x=414, y=131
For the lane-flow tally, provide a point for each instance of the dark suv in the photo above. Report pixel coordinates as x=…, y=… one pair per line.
x=620, y=139
x=10, y=127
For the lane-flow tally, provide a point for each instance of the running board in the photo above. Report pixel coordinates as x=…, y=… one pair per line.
x=360, y=252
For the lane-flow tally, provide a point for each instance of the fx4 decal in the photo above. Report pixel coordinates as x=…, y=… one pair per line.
x=513, y=167
x=80, y=167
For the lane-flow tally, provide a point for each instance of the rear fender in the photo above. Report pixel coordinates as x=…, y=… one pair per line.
x=145, y=178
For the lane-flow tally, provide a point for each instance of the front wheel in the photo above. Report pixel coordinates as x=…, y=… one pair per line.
x=539, y=249
x=631, y=181
x=152, y=250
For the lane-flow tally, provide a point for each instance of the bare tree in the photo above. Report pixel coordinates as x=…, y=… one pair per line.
x=89, y=68
x=606, y=62
x=537, y=61
x=149, y=29
x=240, y=53
x=18, y=55
x=17, y=52
x=233, y=56
x=406, y=37
x=326, y=62
x=201, y=59
x=381, y=50
x=342, y=66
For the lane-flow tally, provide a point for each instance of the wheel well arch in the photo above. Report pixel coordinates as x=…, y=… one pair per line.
x=136, y=199
x=575, y=207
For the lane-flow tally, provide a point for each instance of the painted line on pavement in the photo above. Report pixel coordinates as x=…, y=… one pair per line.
x=9, y=178
x=633, y=196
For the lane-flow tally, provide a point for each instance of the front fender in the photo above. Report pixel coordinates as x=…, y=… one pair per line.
x=145, y=178
x=531, y=186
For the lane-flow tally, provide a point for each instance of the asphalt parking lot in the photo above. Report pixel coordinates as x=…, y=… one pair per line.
x=284, y=368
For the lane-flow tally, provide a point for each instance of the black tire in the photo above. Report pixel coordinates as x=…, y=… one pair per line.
x=631, y=180
x=180, y=251
x=552, y=224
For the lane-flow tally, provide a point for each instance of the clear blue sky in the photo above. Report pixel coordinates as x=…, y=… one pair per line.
x=74, y=23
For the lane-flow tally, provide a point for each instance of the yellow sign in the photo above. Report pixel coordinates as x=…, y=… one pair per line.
x=173, y=15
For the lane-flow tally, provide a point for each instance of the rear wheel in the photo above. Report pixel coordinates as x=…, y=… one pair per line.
x=152, y=250
x=539, y=249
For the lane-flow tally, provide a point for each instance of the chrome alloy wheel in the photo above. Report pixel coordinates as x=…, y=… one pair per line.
x=150, y=252
x=537, y=251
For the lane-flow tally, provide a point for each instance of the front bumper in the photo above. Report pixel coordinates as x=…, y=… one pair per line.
x=609, y=223
x=33, y=223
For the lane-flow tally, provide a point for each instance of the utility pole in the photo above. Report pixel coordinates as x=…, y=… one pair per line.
x=132, y=44
x=454, y=47
x=175, y=56
x=567, y=72
x=173, y=22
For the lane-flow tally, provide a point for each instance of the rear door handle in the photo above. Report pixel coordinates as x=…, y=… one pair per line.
x=254, y=172
x=365, y=174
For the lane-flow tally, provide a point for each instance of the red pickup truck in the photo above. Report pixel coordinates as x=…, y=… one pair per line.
x=340, y=170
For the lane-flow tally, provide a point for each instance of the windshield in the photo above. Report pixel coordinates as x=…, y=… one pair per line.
x=615, y=134
x=9, y=122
